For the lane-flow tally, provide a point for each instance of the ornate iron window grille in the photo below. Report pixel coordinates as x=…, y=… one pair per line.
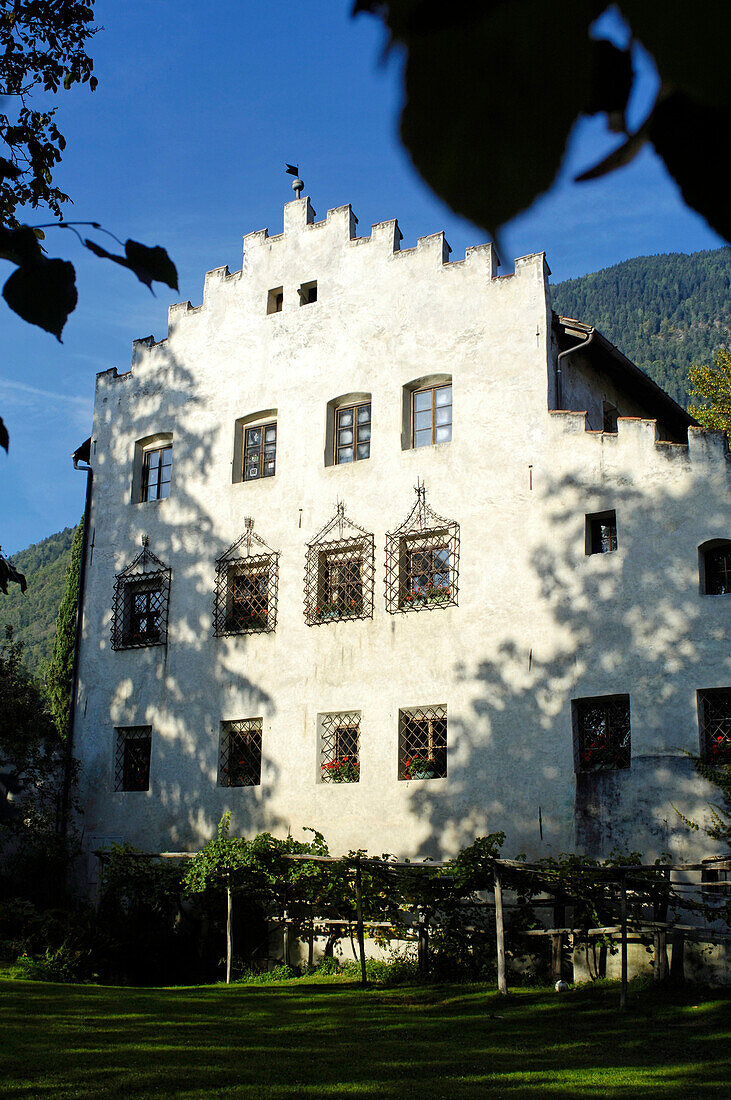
x=422, y=743
x=422, y=560
x=339, y=572
x=247, y=581
x=714, y=711
x=603, y=733
x=340, y=747
x=132, y=758
x=241, y=753
x=140, y=602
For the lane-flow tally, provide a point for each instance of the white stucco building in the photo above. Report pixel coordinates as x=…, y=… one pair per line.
x=528, y=642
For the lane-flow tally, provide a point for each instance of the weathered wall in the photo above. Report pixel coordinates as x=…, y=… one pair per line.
x=538, y=622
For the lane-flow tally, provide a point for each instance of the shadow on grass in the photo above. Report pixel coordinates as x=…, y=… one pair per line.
x=316, y=1040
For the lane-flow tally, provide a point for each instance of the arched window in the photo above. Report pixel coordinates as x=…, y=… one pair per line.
x=426, y=416
x=153, y=467
x=714, y=563
x=348, y=429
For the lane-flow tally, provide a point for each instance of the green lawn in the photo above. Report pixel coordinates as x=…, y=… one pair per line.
x=328, y=1040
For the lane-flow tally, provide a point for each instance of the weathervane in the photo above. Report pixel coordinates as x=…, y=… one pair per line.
x=297, y=184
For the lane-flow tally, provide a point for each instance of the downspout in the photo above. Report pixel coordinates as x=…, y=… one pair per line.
x=559, y=377
x=68, y=755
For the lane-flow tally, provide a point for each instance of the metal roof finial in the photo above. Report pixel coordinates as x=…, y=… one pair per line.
x=297, y=184
x=145, y=542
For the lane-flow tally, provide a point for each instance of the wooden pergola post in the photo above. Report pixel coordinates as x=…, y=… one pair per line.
x=623, y=887
x=359, y=917
x=229, y=929
x=502, y=981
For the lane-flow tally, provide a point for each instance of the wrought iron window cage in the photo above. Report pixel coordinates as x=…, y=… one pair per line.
x=340, y=747
x=714, y=713
x=247, y=583
x=339, y=572
x=422, y=560
x=241, y=753
x=132, y=758
x=602, y=730
x=422, y=743
x=140, y=603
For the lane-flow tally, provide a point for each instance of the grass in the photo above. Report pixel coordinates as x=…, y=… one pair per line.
x=332, y=1039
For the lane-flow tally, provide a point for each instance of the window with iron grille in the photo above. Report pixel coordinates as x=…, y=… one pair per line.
x=241, y=753
x=339, y=572
x=140, y=603
x=601, y=533
x=132, y=758
x=422, y=743
x=247, y=576
x=157, y=469
x=422, y=560
x=260, y=451
x=602, y=733
x=340, y=747
x=714, y=720
x=431, y=415
x=716, y=568
x=352, y=433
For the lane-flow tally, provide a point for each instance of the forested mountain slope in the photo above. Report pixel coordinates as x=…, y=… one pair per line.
x=33, y=615
x=663, y=312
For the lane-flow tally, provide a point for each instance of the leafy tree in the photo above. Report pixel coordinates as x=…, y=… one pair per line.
x=32, y=853
x=60, y=670
x=493, y=90
x=43, y=48
x=33, y=614
x=712, y=387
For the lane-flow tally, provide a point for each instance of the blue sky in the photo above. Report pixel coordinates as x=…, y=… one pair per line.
x=199, y=107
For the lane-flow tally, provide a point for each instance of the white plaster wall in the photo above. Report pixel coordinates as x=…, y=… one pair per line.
x=538, y=622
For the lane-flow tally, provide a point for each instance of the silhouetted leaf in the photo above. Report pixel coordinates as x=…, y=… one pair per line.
x=687, y=138
x=148, y=264
x=43, y=293
x=690, y=45
x=4, y=437
x=494, y=89
x=8, y=170
x=19, y=245
x=151, y=264
x=486, y=120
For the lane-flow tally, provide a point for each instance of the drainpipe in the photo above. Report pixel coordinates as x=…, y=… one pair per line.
x=559, y=379
x=83, y=452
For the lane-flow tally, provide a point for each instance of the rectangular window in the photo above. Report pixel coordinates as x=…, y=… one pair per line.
x=308, y=293
x=602, y=733
x=717, y=570
x=247, y=598
x=157, y=468
x=432, y=415
x=422, y=750
x=353, y=433
x=426, y=577
x=260, y=451
x=714, y=720
x=340, y=582
x=340, y=743
x=132, y=758
x=144, y=604
x=275, y=300
x=241, y=753
x=601, y=533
